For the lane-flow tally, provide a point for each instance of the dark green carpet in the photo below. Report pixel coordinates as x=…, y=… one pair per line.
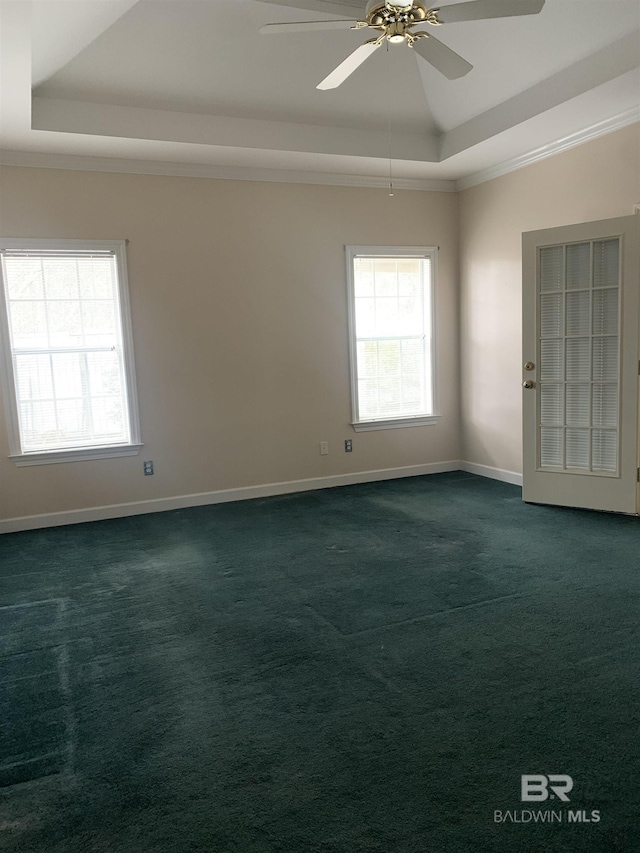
x=363, y=670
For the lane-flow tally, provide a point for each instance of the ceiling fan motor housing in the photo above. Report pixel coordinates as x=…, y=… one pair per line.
x=395, y=18
x=382, y=10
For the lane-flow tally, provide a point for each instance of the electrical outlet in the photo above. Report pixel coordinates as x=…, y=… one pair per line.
x=348, y=445
x=148, y=468
x=324, y=448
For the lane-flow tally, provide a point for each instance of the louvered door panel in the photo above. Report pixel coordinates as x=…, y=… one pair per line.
x=579, y=341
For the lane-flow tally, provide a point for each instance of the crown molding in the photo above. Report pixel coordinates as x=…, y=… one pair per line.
x=565, y=143
x=71, y=162
x=200, y=170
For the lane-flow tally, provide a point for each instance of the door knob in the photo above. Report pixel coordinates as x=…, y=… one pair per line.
x=528, y=384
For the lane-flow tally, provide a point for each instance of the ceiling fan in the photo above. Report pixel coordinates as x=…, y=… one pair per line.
x=394, y=20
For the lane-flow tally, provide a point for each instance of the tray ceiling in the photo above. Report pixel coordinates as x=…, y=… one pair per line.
x=193, y=83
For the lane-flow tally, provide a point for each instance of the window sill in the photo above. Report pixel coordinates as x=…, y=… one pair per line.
x=49, y=457
x=395, y=423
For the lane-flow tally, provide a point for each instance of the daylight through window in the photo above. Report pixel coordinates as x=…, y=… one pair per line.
x=71, y=371
x=391, y=330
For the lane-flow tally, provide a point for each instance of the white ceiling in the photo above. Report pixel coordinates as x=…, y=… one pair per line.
x=191, y=87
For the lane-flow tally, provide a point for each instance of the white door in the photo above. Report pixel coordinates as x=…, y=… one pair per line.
x=580, y=371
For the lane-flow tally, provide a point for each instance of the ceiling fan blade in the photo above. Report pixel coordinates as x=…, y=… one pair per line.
x=348, y=66
x=479, y=9
x=303, y=26
x=445, y=60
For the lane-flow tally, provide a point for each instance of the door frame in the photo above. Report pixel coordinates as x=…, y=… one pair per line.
x=619, y=493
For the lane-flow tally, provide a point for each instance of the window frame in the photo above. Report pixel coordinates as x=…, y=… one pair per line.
x=351, y=253
x=7, y=372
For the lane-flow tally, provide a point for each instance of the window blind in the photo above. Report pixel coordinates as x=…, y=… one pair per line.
x=579, y=339
x=392, y=297
x=66, y=344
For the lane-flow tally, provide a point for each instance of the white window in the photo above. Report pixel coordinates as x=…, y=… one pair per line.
x=67, y=357
x=391, y=293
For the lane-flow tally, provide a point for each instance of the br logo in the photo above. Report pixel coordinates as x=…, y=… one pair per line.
x=536, y=787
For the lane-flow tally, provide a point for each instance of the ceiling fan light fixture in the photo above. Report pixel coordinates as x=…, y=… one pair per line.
x=396, y=32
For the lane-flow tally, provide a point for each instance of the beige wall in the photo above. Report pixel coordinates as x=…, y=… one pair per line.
x=239, y=315
x=597, y=180
x=239, y=319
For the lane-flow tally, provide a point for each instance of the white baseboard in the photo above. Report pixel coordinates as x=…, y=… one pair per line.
x=99, y=513
x=492, y=473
